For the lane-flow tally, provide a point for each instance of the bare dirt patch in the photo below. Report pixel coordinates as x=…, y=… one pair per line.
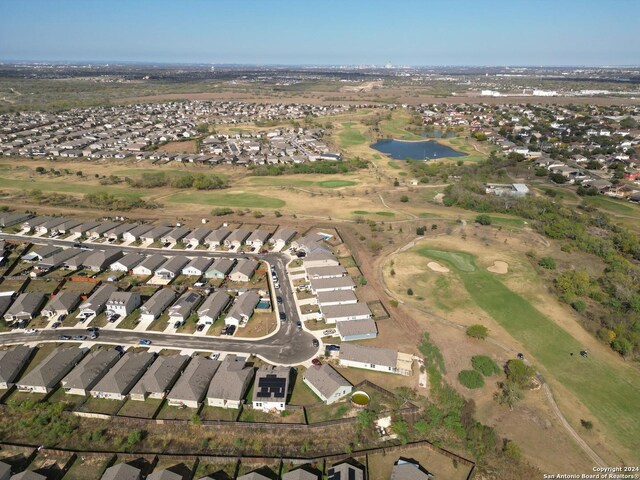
x=499, y=267
x=436, y=267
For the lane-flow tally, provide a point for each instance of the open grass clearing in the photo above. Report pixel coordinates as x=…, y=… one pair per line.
x=72, y=187
x=88, y=467
x=618, y=207
x=101, y=405
x=302, y=394
x=324, y=413
x=380, y=465
x=220, y=199
x=218, y=413
x=138, y=409
x=609, y=391
x=350, y=136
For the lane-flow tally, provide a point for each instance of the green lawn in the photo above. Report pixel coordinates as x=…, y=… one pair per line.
x=615, y=206
x=394, y=165
x=350, y=137
x=609, y=391
x=138, y=172
x=281, y=182
x=73, y=186
x=243, y=200
x=507, y=221
x=336, y=183
x=381, y=214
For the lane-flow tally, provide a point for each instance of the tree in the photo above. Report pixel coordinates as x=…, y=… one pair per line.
x=628, y=122
x=485, y=365
x=587, y=424
x=41, y=170
x=509, y=394
x=547, y=262
x=404, y=199
x=362, y=280
x=471, y=379
x=558, y=178
x=483, y=219
x=420, y=231
x=478, y=331
x=409, y=291
x=519, y=373
x=622, y=346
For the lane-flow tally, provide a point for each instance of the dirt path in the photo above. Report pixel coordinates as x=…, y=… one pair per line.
x=413, y=217
x=552, y=402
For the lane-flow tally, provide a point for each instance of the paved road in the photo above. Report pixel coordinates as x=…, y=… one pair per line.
x=289, y=345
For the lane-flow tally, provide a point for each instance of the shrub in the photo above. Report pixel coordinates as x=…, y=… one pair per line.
x=362, y=280
x=478, y=331
x=547, y=262
x=579, y=306
x=471, y=379
x=587, y=424
x=393, y=303
x=485, y=365
x=409, y=291
x=404, y=199
x=483, y=219
x=218, y=212
x=519, y=373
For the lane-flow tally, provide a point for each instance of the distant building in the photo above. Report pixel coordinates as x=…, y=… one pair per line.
x=511, y=190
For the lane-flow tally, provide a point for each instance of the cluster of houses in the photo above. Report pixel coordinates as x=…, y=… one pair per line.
x=403, y=469
x=132, y=131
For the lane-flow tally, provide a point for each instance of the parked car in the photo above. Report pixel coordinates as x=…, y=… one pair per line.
x=93, y=335
x=79, y=337
x=62, y=317
x=119, y=349
x=333, y=348
x=279, y=299
x=231, y=330
x=329, y=332
x=64, y=337
x=214, y=356
x=520, y=356
x=144, y=341
x=299, y=324
x=92, y=329
x=200, y=327
x=315, y=361
x=178, y=324
x=283, y=316
x=55, y=325
x=114, y=318
x=31, y=331
x=315, y=342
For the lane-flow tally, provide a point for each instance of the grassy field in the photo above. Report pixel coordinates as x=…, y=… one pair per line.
x=220, y=199
x=608, y=391
x=381, y=214
x=614, y=206
x=337, y=183
x=396, y=127
x=350, y=136
x=67, y=187
x=298, y=182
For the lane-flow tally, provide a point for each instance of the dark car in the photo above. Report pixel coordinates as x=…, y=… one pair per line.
x=64, y=337
x=144, y=341
x=119, y=349
x=299, y=324
x=520, y=356
x=315, y=361
x=301, y=254
x=61, y=317
x=315, y=342
x=231, y=330
x=92, y=329
x=283, y=316
x=279, y=299
x=333, y=348
x=200, y=327
x=178, y=324
x=55, y=325
x=113, y=318
x=93, y=335
x=79, y=337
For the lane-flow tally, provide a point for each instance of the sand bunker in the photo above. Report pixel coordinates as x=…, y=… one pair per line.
x=436, y=267
x=499, y=267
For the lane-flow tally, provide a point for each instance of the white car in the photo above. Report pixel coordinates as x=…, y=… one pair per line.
x=331, y=331
x=31, y=331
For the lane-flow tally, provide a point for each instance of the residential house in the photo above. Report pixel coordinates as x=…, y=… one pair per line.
x=309, y=242
x=511, y=190
x=320, y=258
x=62, y=304
x=159, y=377
x=229, y=383
x=264, y=473
x=350, y=330
x=49, y=225
x=242, y=309
x=12, y=362
x=258, y=238
x=333, y=271
x=191, y=387
x=375, y=358
x=122, y=471
x=244, y=270
x=350, y=311
x=282, y=237
x=32, y=223
x=271, y=388
x=302, y=473
x=180, y=311
x=197, y=267
x=336, y=297
x=5, y=301
x=173, y=267
x=149, y=265
x=197, y=237
x=57, y=260
x=344, y=471
x=216, y=237
x=89, y=371
x=122, y=377
x=28, y=475
x=330, y=284
x=45, y=377
x=122, y=303
x=76, y=262
x=66, y=226
x=26, y=307
x=157, y=304
x=220, y=268
x=325, y=382
x=10, y=219
x=155, y=234
x=118, y=232
x=165, y=474
x=135, y=234
x=175, y=235
x=41, y=253
x=212, y=307
x=100, y=260
x=5, y=471
x=127, y=263
x=84, y=228
x=409, y=469
x=236, y=238
x=96, y=303
x=102, y=229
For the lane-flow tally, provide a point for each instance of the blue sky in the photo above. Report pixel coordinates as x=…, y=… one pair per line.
x=403, y=32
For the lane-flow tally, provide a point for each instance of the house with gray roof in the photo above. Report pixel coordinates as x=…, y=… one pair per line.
x=42, y=252
x=213, y=306
x=149, y=265
x=263, y=473
x=216, y=237
x=122, y=377
x=67, y=225
x=342, y=313
x=197, y=237
x=84, y=228
x=100, y=260
x=187, y=303
x=375, y=358
x=62, y=304
x=345, y=471
x=308, y=243
x=271, y=388
x=330, y=271
x=165, y=475
x=26, y=307
x=282, y=237
x=49, y=225
x=175, y=235
x=157, y=304
x=242, y=309
x=76, y=262
x=28, y=475
x=172, y=267
x=118, y=232
x=244, y=270
x=325, y=382
x=127, y=262
x=33, y=222
x=122, y=303
x=320, y=257
x=159, y=377
x=45, y=377
x=89, y=371
x=220, y=268
x=56, y=260
x=102, y=229
x=302, y=473
x=258, y=238
x=230, y=383
x=197, y=266
x=5, y=471
x=96, y=303
x=350, y=330
x=136, y=233
x=236, y=238
x=407, y=469
x=10, y=219
x=336, y=297
x=330, y=284
x=191, y=387
x=5, y=301
x=122, y=471
x=12, y=362
x=155, y=234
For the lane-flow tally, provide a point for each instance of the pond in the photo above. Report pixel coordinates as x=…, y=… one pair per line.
x=438, y=134
x=420, y=150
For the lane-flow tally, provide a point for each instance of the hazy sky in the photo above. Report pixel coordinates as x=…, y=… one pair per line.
x=411, y=32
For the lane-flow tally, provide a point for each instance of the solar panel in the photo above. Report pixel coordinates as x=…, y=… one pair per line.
x=271, y=386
